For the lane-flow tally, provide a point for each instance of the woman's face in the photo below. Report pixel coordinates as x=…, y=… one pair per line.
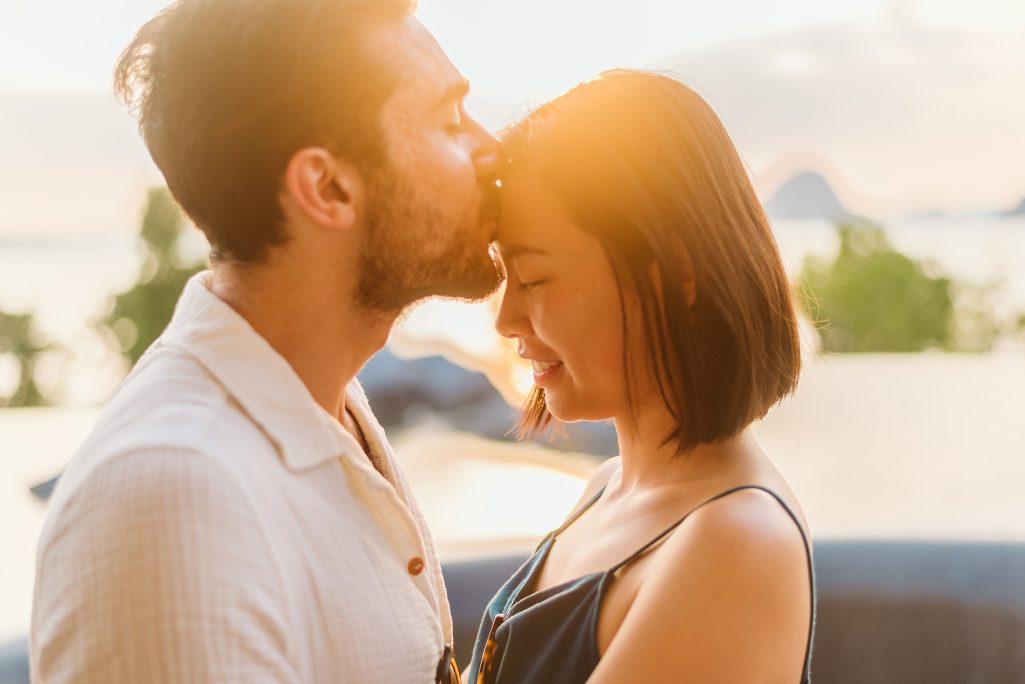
x=561, y=303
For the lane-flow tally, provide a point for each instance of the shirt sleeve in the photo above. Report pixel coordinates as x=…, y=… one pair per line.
x=155, y=569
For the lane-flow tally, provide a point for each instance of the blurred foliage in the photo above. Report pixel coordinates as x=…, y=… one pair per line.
x=873, y=298
x=20, y=339
x=139, y=316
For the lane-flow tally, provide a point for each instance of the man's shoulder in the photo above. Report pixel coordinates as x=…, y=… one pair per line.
x=169, y=404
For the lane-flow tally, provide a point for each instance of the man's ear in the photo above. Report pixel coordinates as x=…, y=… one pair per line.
x=324, y=189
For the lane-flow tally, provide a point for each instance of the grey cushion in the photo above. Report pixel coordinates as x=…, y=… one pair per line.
x=14, y=662
x=920, y=612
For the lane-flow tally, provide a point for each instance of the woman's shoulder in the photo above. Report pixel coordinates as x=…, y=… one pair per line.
x=732, y=578
x=600, y=478
x=749, y=517
x=747, y=538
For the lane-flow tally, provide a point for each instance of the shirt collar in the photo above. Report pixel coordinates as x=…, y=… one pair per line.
x=261, y=380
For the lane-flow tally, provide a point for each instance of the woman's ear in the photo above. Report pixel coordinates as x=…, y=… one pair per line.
x=690, y=289
x=325, y=190
x=689, y=285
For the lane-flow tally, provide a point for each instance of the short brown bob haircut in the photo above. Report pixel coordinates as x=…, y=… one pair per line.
x=642, y=163
x=227, y=91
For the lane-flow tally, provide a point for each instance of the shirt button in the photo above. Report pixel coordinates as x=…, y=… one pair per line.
x=416, y=566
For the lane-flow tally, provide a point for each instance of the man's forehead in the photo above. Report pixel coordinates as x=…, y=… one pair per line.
x=427, y=74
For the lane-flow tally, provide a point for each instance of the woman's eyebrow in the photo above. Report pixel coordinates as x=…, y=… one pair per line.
x=513, y=251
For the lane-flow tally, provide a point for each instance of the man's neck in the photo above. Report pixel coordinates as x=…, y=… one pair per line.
x=317, y=329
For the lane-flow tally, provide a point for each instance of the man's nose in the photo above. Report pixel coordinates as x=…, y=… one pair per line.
x=488, y=157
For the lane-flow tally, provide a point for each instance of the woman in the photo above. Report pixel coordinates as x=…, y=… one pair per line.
x=645, y=286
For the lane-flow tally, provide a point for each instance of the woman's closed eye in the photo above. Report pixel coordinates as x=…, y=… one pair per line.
x=527, y=271
x=532, y=284
x=530, y=277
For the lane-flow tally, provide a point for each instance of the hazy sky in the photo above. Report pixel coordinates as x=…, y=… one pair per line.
x=905, y=105
x=63, y=44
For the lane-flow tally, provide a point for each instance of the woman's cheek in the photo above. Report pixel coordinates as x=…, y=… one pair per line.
x=549, y=317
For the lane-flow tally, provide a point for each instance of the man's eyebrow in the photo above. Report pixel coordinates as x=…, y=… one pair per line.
x=454, y=93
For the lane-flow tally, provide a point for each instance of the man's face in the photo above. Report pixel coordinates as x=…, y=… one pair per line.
x=432, y=206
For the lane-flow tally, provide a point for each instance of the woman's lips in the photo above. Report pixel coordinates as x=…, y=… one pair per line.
x=545, y=370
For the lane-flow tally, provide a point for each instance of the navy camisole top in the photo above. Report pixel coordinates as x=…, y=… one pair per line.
x=551, y=635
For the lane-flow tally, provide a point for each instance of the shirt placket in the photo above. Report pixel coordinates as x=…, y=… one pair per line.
x=400, y=528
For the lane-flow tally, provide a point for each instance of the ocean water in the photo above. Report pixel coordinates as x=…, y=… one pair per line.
x=67, y=282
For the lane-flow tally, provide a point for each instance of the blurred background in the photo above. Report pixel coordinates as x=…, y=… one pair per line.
x=885, y=138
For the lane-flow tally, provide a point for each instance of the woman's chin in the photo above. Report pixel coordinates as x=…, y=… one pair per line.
x=567, y=411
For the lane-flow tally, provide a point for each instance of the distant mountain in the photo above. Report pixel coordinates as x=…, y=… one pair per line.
x=1017, y=211
x=808, y=196
x=928, y=215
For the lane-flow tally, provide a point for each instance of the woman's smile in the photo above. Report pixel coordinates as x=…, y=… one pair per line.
x=545, y=371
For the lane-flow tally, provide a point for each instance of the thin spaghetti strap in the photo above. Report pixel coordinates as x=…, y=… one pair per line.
x=662, y=535
x=579, y=512
x=806, y=672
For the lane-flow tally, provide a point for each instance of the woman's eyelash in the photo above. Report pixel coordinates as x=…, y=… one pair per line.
x=531, y=285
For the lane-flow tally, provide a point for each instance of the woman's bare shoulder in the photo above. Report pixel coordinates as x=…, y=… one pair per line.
x=602, y=474
x=733, y=578
x=598, y=479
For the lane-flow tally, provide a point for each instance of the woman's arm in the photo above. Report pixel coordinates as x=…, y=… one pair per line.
x=726, y=599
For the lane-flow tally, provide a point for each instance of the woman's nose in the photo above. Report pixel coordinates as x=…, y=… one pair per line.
x=511, y=321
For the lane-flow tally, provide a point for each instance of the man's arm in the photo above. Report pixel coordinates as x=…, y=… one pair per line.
x=157, y=570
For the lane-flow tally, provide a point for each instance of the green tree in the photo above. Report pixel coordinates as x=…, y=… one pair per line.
x=19, y=338
x=873, y=298
x=139, y=316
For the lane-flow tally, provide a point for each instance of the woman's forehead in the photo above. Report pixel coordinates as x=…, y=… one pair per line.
x=527, y=210
x=533, y=220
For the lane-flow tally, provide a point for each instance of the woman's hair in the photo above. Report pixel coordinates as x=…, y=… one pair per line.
x=642, y=163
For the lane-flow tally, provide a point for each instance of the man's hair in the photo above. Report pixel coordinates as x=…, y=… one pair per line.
x=644, y=165
x=227, y=91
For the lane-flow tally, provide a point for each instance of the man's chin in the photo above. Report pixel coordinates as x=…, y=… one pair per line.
x=474, y=287
x=472, y=291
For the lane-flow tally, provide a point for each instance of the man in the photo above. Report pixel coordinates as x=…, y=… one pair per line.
x=237, y=514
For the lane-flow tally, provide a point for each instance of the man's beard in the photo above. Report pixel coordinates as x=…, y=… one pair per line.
x=411, y=251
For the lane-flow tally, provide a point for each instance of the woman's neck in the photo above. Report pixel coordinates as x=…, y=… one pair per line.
x=647, y=463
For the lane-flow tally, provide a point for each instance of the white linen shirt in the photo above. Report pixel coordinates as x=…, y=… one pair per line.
x=219, y=526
